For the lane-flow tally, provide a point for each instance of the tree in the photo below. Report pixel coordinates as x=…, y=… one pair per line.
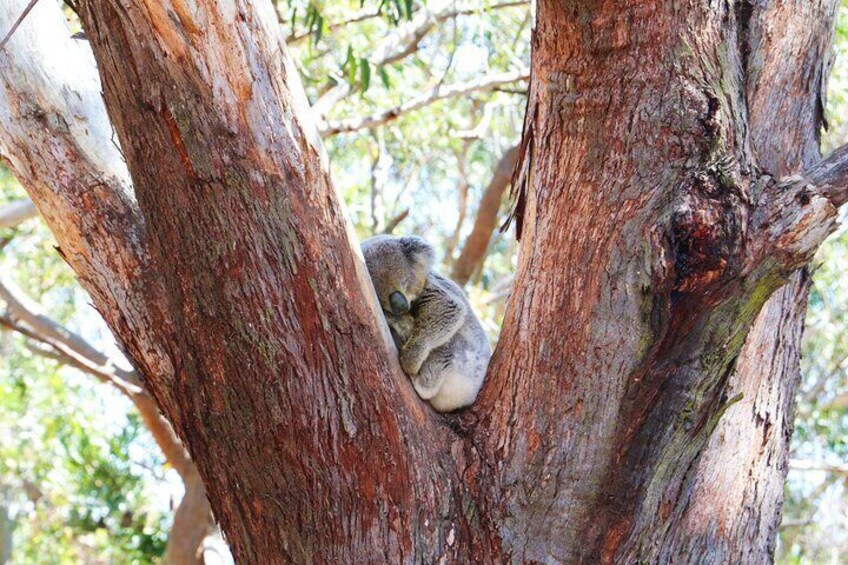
x=627, y=388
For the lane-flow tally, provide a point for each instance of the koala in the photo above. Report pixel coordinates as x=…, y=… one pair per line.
x=442, y=346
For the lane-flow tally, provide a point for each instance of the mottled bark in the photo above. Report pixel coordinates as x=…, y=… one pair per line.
x=655, y=227
x=735, y=500
x=282, y=366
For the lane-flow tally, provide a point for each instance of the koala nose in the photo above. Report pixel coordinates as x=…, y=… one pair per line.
x=398, y=303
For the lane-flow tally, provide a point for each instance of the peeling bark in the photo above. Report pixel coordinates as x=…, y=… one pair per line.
x=57, y=139
x=281, y=360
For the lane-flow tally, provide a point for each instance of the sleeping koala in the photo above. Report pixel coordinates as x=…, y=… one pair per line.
x=442, y=346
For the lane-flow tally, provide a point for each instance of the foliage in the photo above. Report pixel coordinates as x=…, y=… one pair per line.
x=75, y=460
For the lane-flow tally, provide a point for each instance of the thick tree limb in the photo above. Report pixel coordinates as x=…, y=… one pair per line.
x=474, y=248
x=831, y=176
x=642, y=270
x=57, y=139
x=283, y=361
x=16, y=213
x=440, y=92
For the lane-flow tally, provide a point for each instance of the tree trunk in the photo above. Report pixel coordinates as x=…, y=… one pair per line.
x=736, y=497
x=615, y=356
x=654, y=230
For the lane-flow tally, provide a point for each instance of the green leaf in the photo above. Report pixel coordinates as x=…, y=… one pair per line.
x=365, y=73
x=319, y=28
x=384, y=76
x=408, y=9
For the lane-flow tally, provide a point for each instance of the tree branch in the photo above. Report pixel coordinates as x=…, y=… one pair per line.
x=403, y=42
x=70, y=344
x=831, y=176
x=193, y=517
x=16, y=213
x=275, y=322
x=395, y=221
x=484, y=84
x=361, y=16
x=474, y=248
x=803, y=465
x=58, y=141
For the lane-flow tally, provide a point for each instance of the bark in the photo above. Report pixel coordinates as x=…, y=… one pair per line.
x=735, y=515
x=282, y=367
x=657, y=220
x=57, y=139
x=612, y=370
x=475, y=246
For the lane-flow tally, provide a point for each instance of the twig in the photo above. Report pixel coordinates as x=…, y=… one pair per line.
x=15, y=213
x=20, y=19
x=484, y=84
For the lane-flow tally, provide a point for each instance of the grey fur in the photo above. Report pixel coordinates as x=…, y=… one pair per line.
x=442, y=346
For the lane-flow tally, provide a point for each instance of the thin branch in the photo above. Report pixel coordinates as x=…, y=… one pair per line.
x=403, y=42
x=21, y=308
x=406, y=39
x=501, y=291
x=17, y=23
x=803, y=465
x=395, y=222
x=475, y=246
x=361, y=16
x=831, y=176
x=462, y=202
x=46, y=347
x=787, y=524
x=43, y=347
x=16, y=213
x=484, y=84
x=49, y=339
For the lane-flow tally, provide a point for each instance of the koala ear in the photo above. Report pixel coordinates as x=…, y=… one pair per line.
x=418, y=251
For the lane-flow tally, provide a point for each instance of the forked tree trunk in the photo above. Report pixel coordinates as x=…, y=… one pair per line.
x=655, y=227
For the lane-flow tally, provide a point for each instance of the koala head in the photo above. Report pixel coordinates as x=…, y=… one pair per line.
x=398, y=267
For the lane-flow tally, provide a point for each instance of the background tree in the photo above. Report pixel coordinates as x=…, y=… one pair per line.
x=724, y=115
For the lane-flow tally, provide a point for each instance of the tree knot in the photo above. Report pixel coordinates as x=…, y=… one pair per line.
x=705, y=231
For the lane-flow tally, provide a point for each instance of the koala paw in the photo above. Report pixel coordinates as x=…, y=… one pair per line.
x=411, y=359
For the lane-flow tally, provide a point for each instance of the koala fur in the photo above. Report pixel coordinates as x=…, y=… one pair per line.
x=442, y=346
